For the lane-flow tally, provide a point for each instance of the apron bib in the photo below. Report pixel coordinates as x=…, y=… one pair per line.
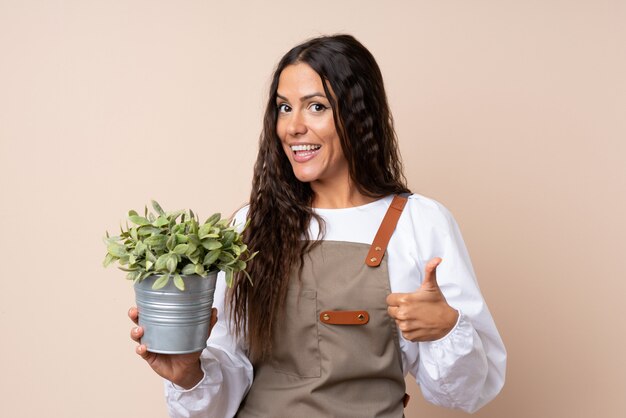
x=335, y=350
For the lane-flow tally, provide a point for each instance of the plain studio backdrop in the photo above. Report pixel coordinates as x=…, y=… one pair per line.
x=510, y=113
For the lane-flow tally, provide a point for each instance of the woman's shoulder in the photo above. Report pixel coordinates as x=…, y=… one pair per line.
x=427, y=212
x=240, y=215
x=427, y=206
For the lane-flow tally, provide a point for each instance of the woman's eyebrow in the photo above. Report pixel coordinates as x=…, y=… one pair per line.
x=303, y=98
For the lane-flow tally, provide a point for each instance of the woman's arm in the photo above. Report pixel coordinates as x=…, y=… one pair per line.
x=465, y=368
x=227, y=374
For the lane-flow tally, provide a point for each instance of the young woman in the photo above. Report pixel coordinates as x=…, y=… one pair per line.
x=358, y=281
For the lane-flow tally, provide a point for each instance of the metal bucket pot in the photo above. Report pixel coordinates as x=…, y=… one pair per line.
x=174, y=321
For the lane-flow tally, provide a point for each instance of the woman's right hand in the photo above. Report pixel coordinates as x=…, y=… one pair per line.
x=181, y=369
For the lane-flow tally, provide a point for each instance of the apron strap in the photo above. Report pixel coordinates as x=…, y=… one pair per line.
x=387, y=226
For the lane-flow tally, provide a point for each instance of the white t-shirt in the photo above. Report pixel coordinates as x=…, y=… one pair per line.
x=464, y=370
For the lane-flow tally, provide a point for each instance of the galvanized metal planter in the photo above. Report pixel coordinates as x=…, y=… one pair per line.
x=174, y=321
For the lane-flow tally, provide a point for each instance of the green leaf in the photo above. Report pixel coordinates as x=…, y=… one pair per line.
x=211, y=244
x=191, y=248
x=148, y=230
x=171, y=263
x=181, y=248
x=189, y=269
x=179, y=283
x=194, y=257
x=252, y=256
x=211, y=257
x=149, y=264
x=226, y=257
x=156, y=240
x=204, y=231
x=248, y=276
x=213, y=219
x=132, y=213
x=161, y=221
x=141, y=248
x=194, y=239
x=229, y=277
x=200, y=269
x=174, y=215
x=116, y=250
x=157, y=207
x=150, y=256
x=161, y=282
x=108, y=260
x=193, y=227
x=171, y=242
x=139, y=220
x=133, y=233
x=161, y=262
x=229, y=236
x=182, y=238
x=133, y=275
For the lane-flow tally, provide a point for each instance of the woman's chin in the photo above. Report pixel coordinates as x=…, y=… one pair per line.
x=305, y=176
x=305, y=179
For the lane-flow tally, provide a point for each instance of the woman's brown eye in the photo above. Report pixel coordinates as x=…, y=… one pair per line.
x=318, y=107
x=282, y=108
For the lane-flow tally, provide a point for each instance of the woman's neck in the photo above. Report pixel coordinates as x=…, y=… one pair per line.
x=338, y=195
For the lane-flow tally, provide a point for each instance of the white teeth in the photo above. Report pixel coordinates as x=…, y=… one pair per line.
x=305, y=147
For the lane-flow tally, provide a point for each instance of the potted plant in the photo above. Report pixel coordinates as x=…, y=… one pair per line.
x=173, y=261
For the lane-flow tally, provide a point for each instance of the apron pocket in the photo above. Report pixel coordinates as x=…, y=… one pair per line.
x=296, y=342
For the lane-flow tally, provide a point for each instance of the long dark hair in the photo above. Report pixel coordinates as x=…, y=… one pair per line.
x=280, y=205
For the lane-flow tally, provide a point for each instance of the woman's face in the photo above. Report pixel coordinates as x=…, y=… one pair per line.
x=306, y=127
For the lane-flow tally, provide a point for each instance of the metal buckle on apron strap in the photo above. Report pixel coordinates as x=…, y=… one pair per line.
x=345, y=317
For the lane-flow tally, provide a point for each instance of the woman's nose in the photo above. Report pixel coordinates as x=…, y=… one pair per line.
x=296, y=125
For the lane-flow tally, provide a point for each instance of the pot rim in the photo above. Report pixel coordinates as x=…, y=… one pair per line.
x=209, y=273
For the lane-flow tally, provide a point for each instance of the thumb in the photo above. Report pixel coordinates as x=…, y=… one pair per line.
x=430, y=274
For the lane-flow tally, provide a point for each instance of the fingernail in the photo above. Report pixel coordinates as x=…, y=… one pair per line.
x=136, y=330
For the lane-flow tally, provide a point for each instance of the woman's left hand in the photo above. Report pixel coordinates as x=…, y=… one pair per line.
x=423, y=315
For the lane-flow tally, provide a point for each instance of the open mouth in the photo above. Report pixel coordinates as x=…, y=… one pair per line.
x=303, y=153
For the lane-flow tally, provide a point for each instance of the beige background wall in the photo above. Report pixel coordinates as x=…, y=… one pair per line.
x=509, y=113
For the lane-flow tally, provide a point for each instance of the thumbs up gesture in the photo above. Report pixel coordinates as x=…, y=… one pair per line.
x=423, y=315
